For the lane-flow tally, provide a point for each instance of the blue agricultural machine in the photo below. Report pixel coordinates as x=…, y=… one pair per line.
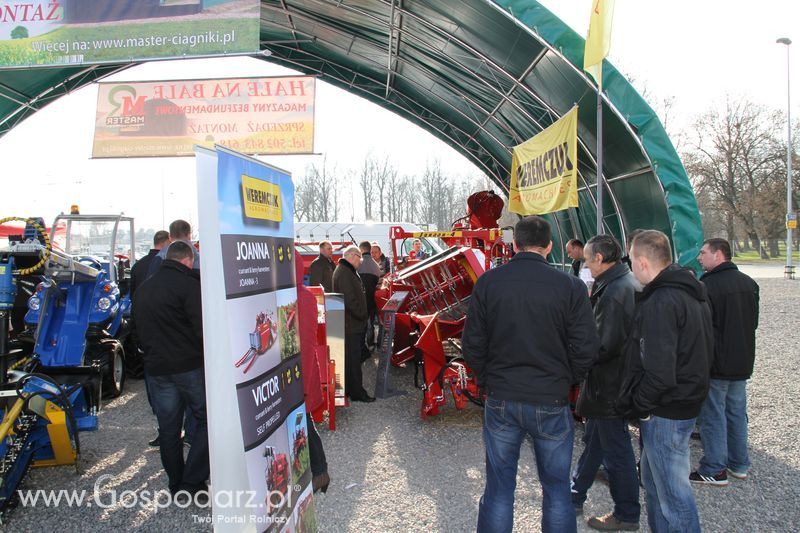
x=70, y=353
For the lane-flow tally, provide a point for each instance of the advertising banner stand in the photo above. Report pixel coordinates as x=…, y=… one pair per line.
x=258, y=447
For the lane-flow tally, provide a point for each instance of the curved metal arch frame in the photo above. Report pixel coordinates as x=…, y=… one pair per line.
x=483, y=147
x=504, y=96
x=32, y=104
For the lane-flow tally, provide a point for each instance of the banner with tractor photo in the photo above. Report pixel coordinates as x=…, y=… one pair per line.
x=258, y=434
x=49, y=32
x=167, y=118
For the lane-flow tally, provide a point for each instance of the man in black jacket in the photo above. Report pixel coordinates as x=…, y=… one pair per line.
x=665, y=381
x=347, y=281
x=320, y=272
x=138, y=276
x=168, y=315
x=528, y=336
x=140, y=268
x=723, y=419
x=606, y=435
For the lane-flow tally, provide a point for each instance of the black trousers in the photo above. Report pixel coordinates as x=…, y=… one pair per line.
x=352, y=364
x=319, y=465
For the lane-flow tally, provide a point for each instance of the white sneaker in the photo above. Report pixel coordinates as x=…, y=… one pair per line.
x=737, y=475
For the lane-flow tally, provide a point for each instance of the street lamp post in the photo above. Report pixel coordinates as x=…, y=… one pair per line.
x=790, y=216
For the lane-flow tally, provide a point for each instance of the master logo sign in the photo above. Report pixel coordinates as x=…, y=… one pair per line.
x=261, y=199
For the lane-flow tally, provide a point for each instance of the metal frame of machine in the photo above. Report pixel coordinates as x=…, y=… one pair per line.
x=77, y=321
x=429, y=315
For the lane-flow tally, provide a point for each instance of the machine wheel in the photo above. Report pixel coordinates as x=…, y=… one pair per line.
x=111, y=358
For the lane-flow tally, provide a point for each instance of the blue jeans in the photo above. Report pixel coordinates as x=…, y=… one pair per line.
x=723, y=428
x=504, y=427
x=171, y=394
x=608, y=442
x=665, y=475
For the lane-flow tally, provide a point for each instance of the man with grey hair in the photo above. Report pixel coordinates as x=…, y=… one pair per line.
x=347, y=282
x=606, y=437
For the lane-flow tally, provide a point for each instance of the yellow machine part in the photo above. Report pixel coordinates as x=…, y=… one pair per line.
x=10, y=417
x=63, y=451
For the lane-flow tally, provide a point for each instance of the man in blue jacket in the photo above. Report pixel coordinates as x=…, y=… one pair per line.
x=723, y=419
x=528, y=336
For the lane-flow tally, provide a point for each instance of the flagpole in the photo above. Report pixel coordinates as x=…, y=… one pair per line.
x=600, y=230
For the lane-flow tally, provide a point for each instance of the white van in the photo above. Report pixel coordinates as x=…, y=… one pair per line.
x=362, y=231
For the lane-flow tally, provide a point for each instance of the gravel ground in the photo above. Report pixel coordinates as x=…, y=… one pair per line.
x=393, y=471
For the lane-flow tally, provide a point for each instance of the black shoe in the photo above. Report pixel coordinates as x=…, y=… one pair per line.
x=610, y=522
x=321, y=482
x=366, y=398
x=155, y=443
x=718, y=480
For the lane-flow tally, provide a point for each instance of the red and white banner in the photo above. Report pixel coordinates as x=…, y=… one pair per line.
x=166, y=118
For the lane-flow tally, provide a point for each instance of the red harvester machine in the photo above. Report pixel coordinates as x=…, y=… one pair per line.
x=261, y=340
x=429, y=300
x=277, y=474
x=299, y=442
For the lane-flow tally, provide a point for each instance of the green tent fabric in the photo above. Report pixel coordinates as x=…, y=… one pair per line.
x=483, y=76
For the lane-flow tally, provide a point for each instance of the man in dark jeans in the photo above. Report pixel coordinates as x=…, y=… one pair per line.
x=665, y=381
x=529, y=334
x=168, y=313
x=606, y=436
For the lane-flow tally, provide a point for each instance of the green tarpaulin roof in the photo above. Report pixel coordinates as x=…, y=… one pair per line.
x=481, y=75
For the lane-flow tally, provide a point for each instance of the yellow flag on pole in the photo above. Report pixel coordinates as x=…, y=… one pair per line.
x=544, y=169
x=598, y=42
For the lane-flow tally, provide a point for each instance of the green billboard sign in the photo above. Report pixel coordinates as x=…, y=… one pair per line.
x=46, y=32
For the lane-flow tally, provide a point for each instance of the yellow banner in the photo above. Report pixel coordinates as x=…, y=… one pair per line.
x=598, y=42
x=544, y=173
x=166, y=118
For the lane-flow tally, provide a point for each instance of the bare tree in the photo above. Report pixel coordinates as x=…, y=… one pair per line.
x=317, y=194
x=366, y=179
x=735, y=161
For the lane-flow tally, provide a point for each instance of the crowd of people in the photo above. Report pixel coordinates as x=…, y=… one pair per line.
x=648, y=344
x=651, y=345
x=167, y=318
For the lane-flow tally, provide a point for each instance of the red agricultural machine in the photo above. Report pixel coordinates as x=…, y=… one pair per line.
x=277, y=474
x=424, y=303
x=261, y=340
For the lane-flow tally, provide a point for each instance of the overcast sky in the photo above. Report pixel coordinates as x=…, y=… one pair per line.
x=696, y=51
